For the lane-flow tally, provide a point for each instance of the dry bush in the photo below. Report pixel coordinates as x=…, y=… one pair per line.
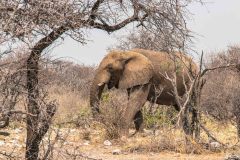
x=236, y=109
x=72, y=108
x=222, y=86
x=66, y=82
x=68, y=75
x=112, y=107
x=219, y=94
x=145, y=39
x=172, y=140
x=69, y=84
x=12, y=87
x=158, y=116
x=69, y=87
x=113, y=104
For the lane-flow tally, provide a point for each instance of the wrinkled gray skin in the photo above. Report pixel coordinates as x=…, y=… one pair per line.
x=140, y=72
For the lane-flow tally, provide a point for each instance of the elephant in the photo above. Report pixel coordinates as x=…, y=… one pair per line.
x=141, y=72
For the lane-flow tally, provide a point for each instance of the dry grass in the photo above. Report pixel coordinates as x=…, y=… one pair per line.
x=167, y=142
x=112, y=106
x=72, y=108
x=75, y=110
x=225, y=132
x=162, y=146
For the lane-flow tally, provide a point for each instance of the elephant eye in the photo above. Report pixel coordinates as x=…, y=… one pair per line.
x=110, y=68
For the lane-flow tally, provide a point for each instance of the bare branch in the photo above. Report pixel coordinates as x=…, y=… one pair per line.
x=219, y=67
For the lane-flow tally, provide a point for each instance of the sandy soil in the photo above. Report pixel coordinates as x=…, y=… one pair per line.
x=12, y=143
x=100, y=153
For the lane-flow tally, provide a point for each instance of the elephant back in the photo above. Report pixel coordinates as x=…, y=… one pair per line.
x=167, y=63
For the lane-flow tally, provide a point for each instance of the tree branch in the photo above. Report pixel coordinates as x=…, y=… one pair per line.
x=219, y=67
x=210, y=135
x=95, y=8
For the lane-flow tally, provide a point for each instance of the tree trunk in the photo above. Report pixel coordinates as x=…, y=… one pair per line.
x=186, y=124
x=37, y=127
x=32, y=145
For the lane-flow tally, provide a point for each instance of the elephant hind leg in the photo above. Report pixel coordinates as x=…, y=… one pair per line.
x=177, y=108
x=138, y=121
x=172, y=117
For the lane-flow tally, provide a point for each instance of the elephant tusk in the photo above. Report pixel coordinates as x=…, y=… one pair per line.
x=100, y=84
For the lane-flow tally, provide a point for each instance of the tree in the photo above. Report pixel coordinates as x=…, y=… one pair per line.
x=145, y=39
x=38, y=24
x=220, y=98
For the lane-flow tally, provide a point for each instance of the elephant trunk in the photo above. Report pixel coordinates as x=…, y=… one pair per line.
x=99, y=81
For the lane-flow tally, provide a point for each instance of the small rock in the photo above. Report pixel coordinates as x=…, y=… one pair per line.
x=72, y=130
x=151, y=154
x=68, y=143
x=232, y=157
x=61, y=134
x=214, y=146
x=157, y=132
x=116, y=152
x=107, y=143
x=177, y=155
x=18, y=130
x=65, y=143
x=19, y=145
x=86, y=143
x=15, y=143
x=124, y=139
x=2, y=143
x=148, y=132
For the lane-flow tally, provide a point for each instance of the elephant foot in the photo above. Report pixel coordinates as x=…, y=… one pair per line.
x=132, y=135
x=140, y=131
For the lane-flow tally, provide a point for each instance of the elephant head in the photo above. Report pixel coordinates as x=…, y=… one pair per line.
x=122, y=70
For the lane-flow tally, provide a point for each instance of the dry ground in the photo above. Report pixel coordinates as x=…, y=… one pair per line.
x=73, y=143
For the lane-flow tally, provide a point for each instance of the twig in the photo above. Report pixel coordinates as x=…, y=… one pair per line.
x=210, y=135
x=81, y=155
x=219, y=67
x=21, y=112
x=7, y=155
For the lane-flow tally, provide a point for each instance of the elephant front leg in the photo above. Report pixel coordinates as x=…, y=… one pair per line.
x=137, y=99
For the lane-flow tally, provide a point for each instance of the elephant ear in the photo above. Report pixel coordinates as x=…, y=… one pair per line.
x=138, y=70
